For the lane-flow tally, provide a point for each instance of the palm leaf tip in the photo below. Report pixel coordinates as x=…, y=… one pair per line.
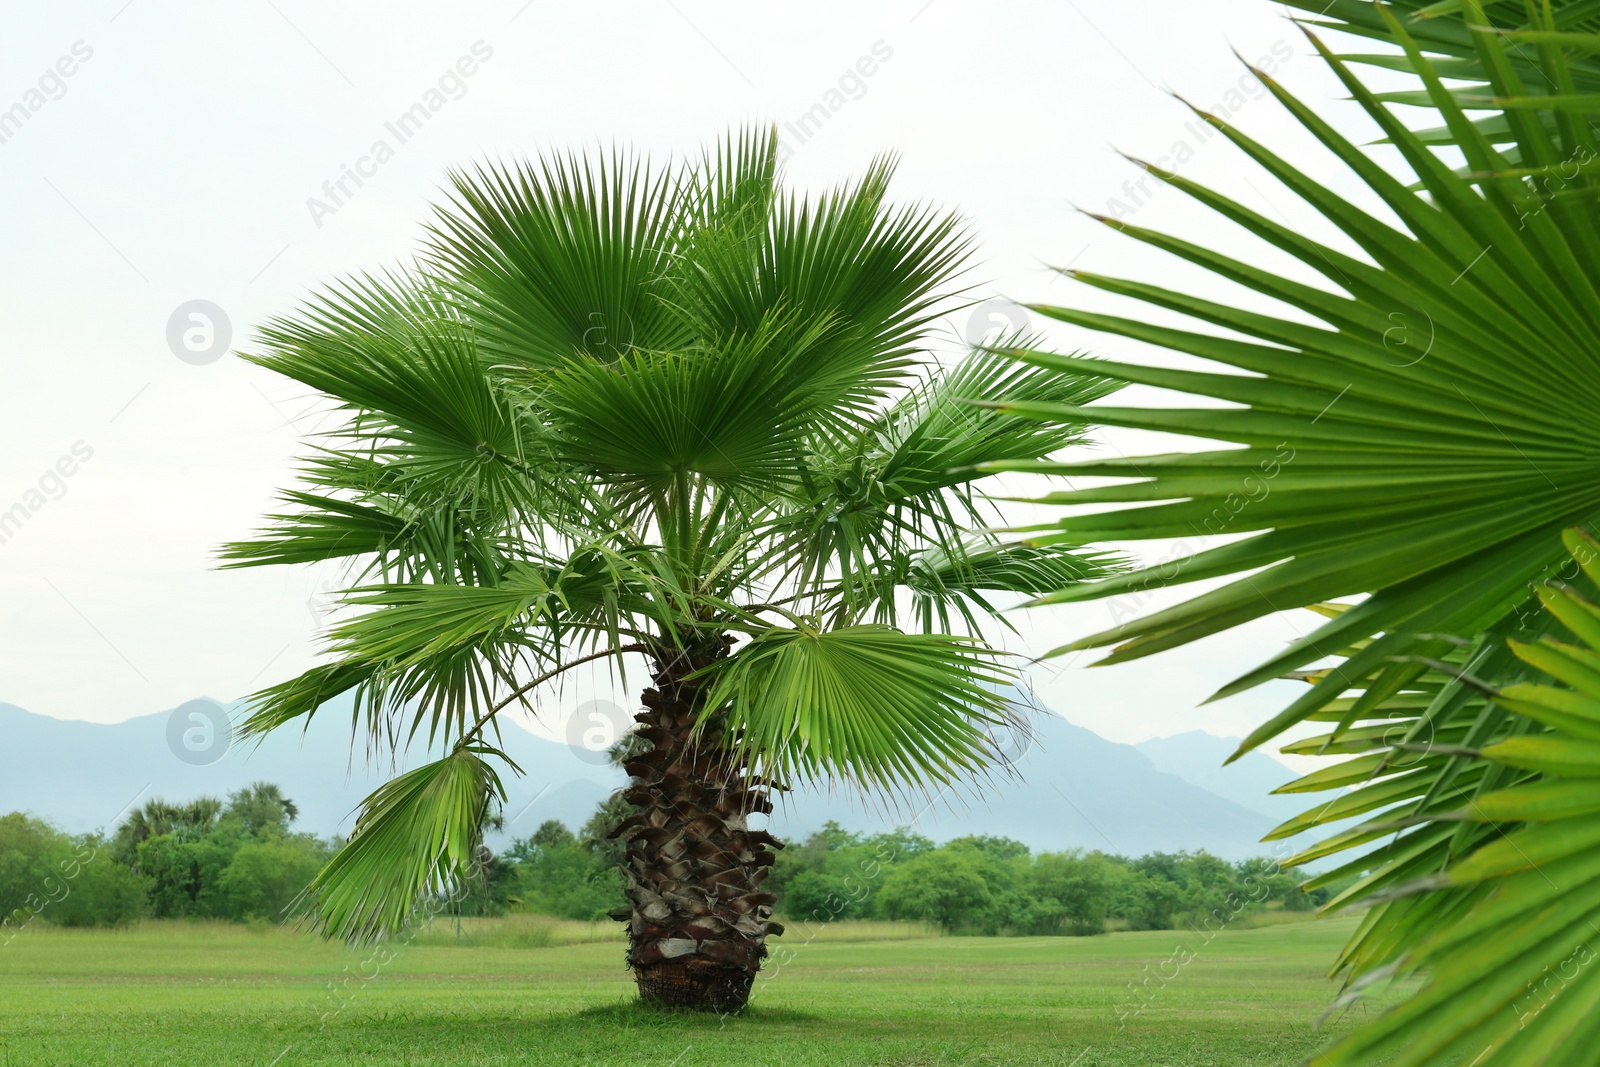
x=415, y=842
x=300, y=697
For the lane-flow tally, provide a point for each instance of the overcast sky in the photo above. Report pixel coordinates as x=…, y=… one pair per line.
x=174, y=152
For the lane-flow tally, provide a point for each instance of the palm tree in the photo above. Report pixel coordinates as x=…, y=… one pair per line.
x=159, y=817
x=261, y=806
x=1422, y=444
x=680, y=413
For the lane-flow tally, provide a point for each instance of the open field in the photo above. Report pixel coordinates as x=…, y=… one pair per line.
x=180, y=994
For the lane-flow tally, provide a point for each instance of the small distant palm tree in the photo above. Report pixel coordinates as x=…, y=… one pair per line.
x=157, y=818
x=679, y=413
x=261, y=806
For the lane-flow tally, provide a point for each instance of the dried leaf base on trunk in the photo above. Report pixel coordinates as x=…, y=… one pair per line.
x=698, y=923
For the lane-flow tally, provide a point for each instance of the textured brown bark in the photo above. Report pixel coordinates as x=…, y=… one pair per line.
x=698, y=921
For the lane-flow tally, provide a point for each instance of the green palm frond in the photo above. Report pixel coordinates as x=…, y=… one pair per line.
x=871, y=706
x=912, y=470
x=1508, y=976
x=322, y=528
x=1545, y=64
x=1412, y=765
x=1452, y=42
x=869, y=276
x=736, y=184
x=437, y=653
x=301, y=696
x=416, y=839
x=1009, y=567
x=365, y=514
x=1415, y=431
x=418, y=401
x=563, y=257
x=935, y=436
x=736, y=412
x=1440, y=484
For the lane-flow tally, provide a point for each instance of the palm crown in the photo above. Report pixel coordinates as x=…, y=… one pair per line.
x=678, y=412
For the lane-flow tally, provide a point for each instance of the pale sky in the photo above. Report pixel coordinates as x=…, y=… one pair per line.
x=170, y=152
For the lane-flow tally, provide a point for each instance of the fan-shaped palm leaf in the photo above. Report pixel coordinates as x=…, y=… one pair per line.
x=416, y=837
x=1421, y=444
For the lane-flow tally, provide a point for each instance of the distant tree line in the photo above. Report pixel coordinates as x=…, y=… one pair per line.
x=235, y=859
x=987, y=885
x=240, y=860
x=995, y=885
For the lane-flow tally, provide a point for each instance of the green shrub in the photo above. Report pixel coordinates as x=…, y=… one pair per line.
x=264, y=877
x=945, y=886
x=67, y=881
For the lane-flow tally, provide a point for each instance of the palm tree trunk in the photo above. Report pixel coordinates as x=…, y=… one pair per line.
x=698, y=920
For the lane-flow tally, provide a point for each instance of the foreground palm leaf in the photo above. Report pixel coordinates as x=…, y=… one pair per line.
x=1505, y=935
x=1569, y=25
x=433, y=817
x=619, y=410
x=1424, y=441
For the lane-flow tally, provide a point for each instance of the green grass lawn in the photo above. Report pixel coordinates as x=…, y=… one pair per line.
x=180, y=994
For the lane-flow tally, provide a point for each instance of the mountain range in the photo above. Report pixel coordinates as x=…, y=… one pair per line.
x=1070, y=788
